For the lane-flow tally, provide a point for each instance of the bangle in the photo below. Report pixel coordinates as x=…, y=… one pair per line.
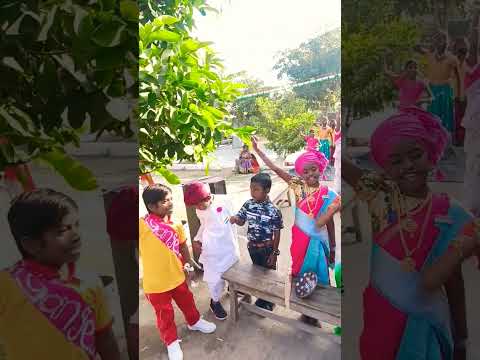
x=276, y=252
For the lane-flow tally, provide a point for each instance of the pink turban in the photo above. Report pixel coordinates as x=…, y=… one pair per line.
x=410, y=123
x=195, y=192
x=311, y=157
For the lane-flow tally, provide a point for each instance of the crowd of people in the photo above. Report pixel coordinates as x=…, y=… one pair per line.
x=450, y=90
x=325, y=137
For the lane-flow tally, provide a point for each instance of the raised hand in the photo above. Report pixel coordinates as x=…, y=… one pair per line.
x=254, y=140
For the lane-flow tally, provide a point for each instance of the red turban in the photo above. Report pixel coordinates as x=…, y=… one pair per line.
x=195, y=192
x=122, y=215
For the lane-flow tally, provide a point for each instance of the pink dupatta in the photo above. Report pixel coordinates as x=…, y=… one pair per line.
x=164, y=232
x=60, y=304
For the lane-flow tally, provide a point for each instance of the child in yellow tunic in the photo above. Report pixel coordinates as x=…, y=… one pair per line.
x=164, y=255
x=47, y=309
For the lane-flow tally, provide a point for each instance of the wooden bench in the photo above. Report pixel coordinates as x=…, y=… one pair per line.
x=324, y=304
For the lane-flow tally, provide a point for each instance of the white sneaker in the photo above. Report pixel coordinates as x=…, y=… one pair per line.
x=174, y=351
x=203, y=326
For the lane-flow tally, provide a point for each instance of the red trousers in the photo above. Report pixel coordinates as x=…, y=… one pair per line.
x=162, y=304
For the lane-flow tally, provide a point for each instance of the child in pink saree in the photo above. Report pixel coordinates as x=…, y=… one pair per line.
x=412, y=228
x=313, y=234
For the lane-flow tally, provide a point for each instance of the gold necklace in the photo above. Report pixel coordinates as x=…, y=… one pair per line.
x=309, y=196
x=408, y=263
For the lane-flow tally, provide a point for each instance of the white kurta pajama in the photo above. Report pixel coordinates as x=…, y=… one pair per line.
x=219, y=243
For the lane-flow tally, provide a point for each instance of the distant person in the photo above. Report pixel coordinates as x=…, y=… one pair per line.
x=325, y=138
x=311, y=141
x=313, y=234
x=246, y=160
x=48, y=307
x=412, y=91
x=460, y=50
x=165, y=258
x=442, y=67
x=264, y=225
x=471, y=123
x=333, y=124
x=215, y=237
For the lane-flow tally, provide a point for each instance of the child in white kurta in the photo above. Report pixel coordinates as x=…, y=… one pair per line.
x=218, y=240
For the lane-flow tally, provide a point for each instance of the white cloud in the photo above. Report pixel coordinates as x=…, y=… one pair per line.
x=248, y=34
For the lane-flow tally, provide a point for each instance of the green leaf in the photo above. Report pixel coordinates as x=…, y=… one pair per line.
x=168, y=175
x=16, y=123
x=191, y=45
x=152, y=99
x=164, y=35
x=194, y=108
x=74, y=173
x=77, y=112
x=210, y=120
x=47, y=78
x=215, y=112
x=129, y=10
x=165, y=20
x=108, y=4
x=145, y=154
x=110, y=58
x=108, y=34
x=8, y=152
x=116, y=88
x=104, y=78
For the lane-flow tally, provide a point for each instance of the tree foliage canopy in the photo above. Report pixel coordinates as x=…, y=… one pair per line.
x=184, y=96
x=311, y=60
x=284, y=122
x=63, y=66
x=368, y=30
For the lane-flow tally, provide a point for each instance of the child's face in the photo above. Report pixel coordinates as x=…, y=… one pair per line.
x=311, y=174
x=412, y=70
x=408, y=165
x=204, y=204
x=59, y=245
x=440, y=43
x=164, y=207
x=311, y=133
x=258, y=193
